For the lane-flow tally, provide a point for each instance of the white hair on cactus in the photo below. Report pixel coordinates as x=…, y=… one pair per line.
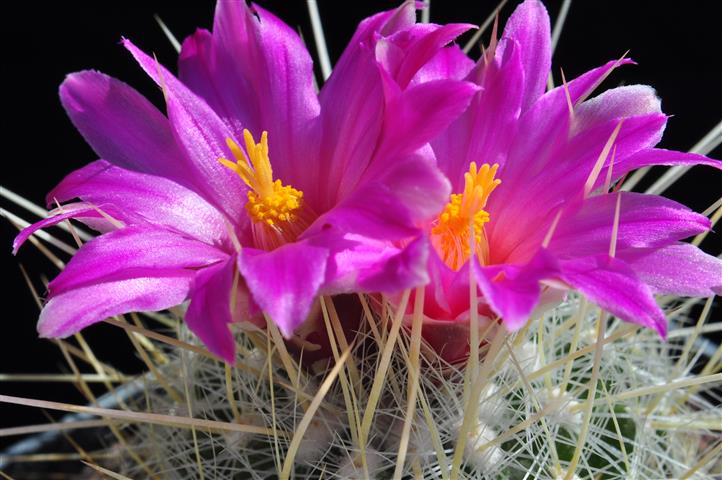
x=420, y=448
x=236, y=440
x=256, y=358
x=492, y=405
x=351, y=468
x=528, y=358
x=567, y=411
x=317, y=438
x=563, y=475
x=485, y=459
x=622, y=441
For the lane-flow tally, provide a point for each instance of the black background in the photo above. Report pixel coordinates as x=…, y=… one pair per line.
x=677, y=46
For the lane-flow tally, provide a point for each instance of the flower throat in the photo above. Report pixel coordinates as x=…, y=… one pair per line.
x=277, y=211
x=451, y=232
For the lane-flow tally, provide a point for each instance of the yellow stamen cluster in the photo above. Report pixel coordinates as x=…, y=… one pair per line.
x=274, y=207
x=277, y=207
x=451, y=233
x=269, y=201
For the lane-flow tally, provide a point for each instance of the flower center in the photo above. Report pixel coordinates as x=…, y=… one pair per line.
x=276, y=210
x=452, y=231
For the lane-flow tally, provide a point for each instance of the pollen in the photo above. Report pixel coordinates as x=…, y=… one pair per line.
x=275, y=209
x=451, y=233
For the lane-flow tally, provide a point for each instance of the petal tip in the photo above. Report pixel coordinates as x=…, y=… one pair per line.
x=660, y=325
x=45, y=328
x=228, y=356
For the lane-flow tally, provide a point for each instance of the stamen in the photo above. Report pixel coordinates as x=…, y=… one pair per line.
x=276, y=209
x=452, y=230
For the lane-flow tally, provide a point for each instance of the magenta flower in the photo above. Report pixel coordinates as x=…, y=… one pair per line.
x=530, y=174
x=312, y=205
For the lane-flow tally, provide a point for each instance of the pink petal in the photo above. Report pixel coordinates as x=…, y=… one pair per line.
x=121, y=125
x=567, y=152
x=347, y=131
x=658, y=156
x=406, y=269
x=529, y=26
x=567, y=159
x=397, y=189
x=75, y=309
x=513, y=291
x=546, y=124
x=418, y=114
x=199, y=70
x=255, y=72
x=484, y=133
x=448, y=63
x=613, y=285
x=391, y=205
x=284, y=282
x=569, y=164
x=374, y=100
x=209, y=312
x=412, y=48
x=132, y=252
x=86, y=213
x=127, y=270
x=644, y=221
x=368, y=32
x=615, y=103
x=144, y=198
x=447, y=294
x=200, y=132
x=361, y=264
x=679, y=269
x=594, y=121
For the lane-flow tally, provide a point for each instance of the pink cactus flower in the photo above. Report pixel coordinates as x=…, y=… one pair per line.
x=531, y=211
x=255, y=192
